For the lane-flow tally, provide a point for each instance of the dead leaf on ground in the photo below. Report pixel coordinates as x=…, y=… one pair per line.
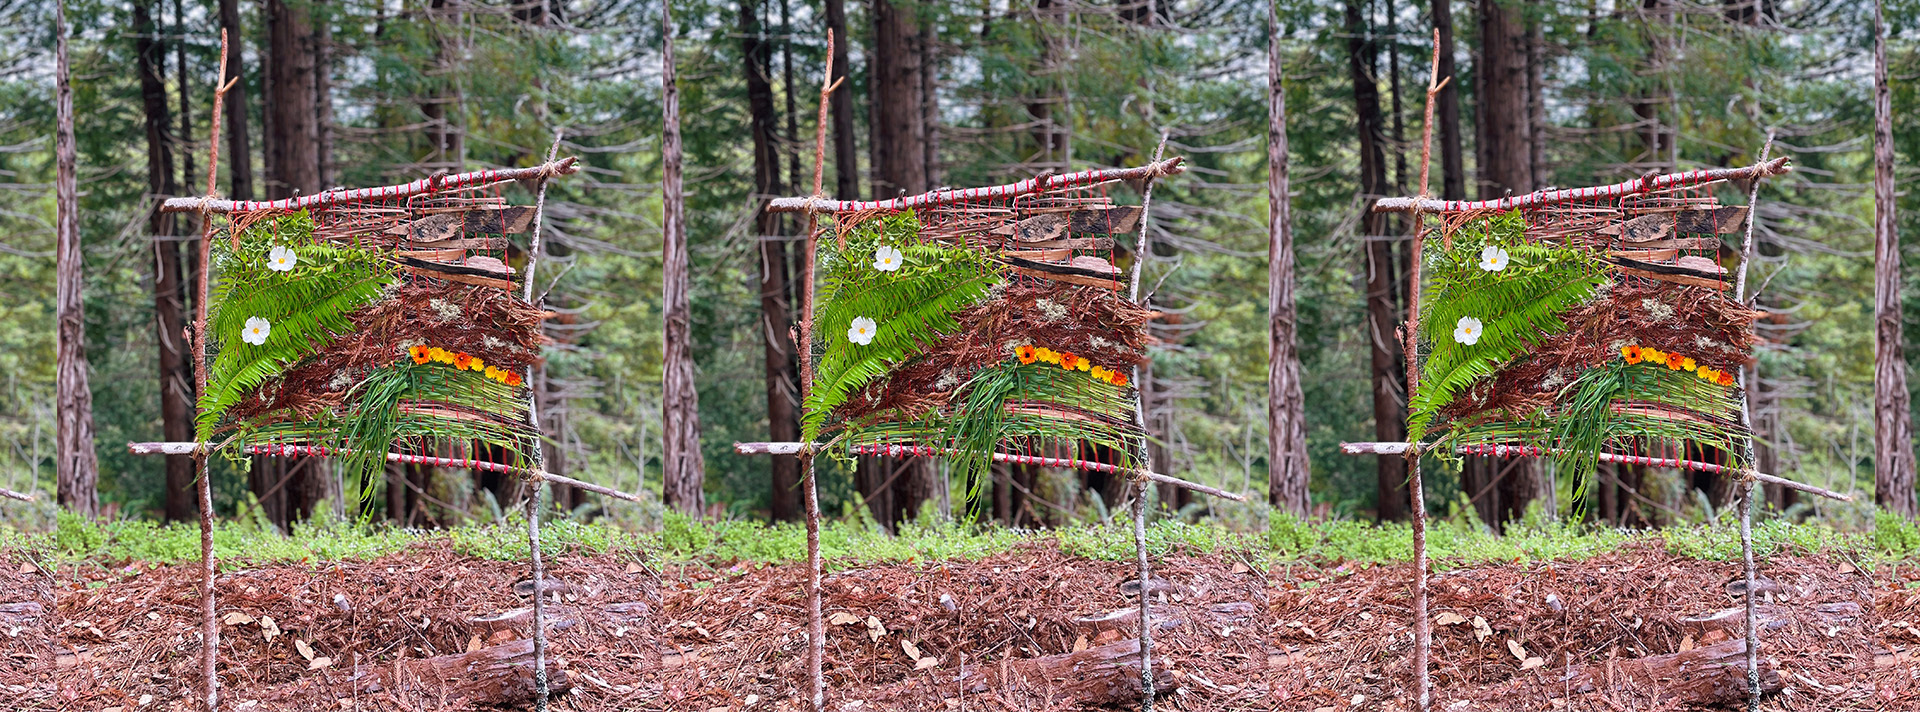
x=912, y=651
x=237, y=618
x=473, y=644
x=306, y=651
x=1686, y=644
x=926, y=662
x=320, y=662
x=1449, y=618
x=1531, y=663
x=875, y=630
x=1080, y=644
x=1481, y=631
x=843, y=618
x=1519, y=653
x=268, y=628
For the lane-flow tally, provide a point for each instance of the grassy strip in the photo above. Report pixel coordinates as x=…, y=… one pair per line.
x=1454, y=542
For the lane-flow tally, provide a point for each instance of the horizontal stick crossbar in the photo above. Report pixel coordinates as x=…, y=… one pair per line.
x=10, y=494
x=1038, y=184
x=564, y=166
x=1644, y=184
x=1530, y=451
x=790, y=448
x=187, y=448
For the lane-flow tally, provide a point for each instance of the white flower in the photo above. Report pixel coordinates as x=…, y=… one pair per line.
x=256, y=331
x=1467, y=331
x=862, y=331
x=887, y=259
x=281, y=259
x=1493, y=258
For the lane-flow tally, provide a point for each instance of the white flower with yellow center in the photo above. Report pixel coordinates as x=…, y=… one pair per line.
x=1493, y=258
x=887, y=259
x=281, y=259
x=1467, y=331
x=256, y=331
x=862, y=331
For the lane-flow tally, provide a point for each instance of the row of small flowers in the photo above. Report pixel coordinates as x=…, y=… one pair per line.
x=1069, y=361
x=463, y=361
x=1636, y=354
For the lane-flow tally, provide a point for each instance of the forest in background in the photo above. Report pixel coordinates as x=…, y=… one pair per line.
x=371, y=92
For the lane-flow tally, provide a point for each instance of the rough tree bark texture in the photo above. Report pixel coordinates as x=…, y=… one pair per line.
x=897, y=90
x=446, y=139
x=77, y=470
x=846, y=162
x=1287, y=471
x=1502, y=489
x=239, y=146
x=169, y=298
x=1389, y=414
x=685, y=467
x=776, y=322
x=1453, y=176
x=1893, y=471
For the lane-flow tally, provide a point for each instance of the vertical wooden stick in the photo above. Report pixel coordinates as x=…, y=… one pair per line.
x=1422, y=626
x=209, y=624
x=537, y=486
x=1140, y=488
x=1748, y=502
x=816, y=623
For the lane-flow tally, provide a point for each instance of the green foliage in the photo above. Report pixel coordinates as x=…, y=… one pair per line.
x=1589, y=422
x=1895, y=536
x=1518, y=306
x=237, y=543
x=912, y=305
x=1452, y=542
x=1720, y=541
x=1114, y=542
x=981, y=422
x=375, y=420
x=306, y=306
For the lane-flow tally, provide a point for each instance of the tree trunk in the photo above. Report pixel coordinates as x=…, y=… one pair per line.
x=293, y=131
x=1453, y=174
x=1893, y=471
x=77, y=469
x=776, y=322
x=899, y=118
x=239, y=146
x=1656, y=139
x=1506, y=152
x=323, y=100
x=1287, y=471
x=685, y=467
x=846, y=164
x=446, y=138
x=1389, y=417
x=176, y=400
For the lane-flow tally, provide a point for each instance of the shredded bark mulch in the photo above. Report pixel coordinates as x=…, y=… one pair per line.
x=630, y=636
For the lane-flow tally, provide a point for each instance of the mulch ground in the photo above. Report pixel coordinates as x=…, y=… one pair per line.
x=318, y=636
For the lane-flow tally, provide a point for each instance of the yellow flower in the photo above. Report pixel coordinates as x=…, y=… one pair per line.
x=1655, y=356
x=1082, y=364
x=1688, y=363
x=477, y=364
x=440, y=355
x=1047, y=355
x=1099, y=372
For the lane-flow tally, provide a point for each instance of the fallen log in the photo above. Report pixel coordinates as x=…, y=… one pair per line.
x=1100, y=675
x=497, y=676
x=1709, y=676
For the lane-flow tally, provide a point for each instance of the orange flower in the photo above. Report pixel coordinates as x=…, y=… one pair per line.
x=1725, y=379
x=1120, y=379
x=418, y=353
x=462, y=360
x=1027, y=353
x=1067, y=360
x=514, y=379
x=1676, y=361
x=1631, y=354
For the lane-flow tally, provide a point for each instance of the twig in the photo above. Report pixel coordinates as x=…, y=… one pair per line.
x=1746, y=421
x=1370, y=448
x=1422, y=627
x=162, y=448
x=10, y=494
x=564, y=166
x=1038, y=184
x=540, y=686
x=816, y=621
x=1141, y=252
x=209, y=625
x=1647, y=184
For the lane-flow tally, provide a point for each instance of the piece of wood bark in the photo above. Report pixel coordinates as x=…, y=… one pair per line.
x=1118, y=220
x=1072, y=243
x=1709, y=676
x=496, y=676
x=1070, y=278
x=1100, y=675
x=499, y=221
x=1645, y=228
x=1712, y=221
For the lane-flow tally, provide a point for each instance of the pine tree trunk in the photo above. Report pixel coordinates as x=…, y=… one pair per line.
x=176, y=401
x=77, y=470
x=1287, y=471
x=1893, y=471
x=1389, y=414
x=685, y=467
x=1453, y=174
x=239, y=146
x=776, y=321
x=846, y=163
